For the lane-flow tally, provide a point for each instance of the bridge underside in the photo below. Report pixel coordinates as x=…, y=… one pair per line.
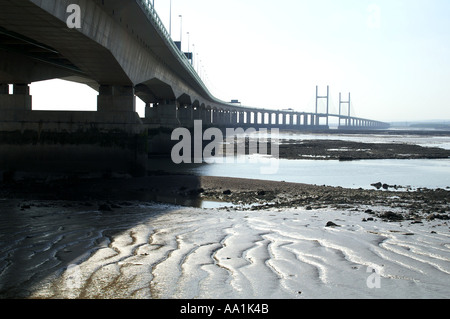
x=121, y=52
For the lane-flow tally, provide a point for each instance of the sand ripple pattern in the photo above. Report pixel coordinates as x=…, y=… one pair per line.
x=157, y=251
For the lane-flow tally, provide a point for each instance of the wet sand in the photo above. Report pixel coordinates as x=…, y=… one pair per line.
x=133, y=249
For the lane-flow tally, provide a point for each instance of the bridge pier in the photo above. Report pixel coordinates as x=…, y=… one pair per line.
x=20, y=99
x=207, y=116
x=241, y=117
x=165, y=113
x=185, y=115
x=116, y=98
x=234, y=117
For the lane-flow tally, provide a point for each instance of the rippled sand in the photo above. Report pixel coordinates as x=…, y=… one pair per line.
x=137, y=250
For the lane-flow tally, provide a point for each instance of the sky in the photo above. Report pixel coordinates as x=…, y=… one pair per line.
x=392, y=56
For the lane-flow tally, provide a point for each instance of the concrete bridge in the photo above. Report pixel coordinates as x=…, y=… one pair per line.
x=122, y=50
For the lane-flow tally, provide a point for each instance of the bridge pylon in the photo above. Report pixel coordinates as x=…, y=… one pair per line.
x=346, y=117
x=327, y=97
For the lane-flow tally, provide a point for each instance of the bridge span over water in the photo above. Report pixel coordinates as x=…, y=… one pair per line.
x=122, y=50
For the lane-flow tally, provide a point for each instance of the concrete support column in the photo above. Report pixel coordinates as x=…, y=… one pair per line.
x=4, y=89
x=116, y=98
x=208, y=116
x=21, y=89
x=196, y=113
x=227, y=117
x=148, y=111
x=241, y=117
x=224, y=117
x=185, y=115
x=249, y=121
x=167, y=113
x=215, y=116
x=203, y=114
x=20, y=99
x=234, y=117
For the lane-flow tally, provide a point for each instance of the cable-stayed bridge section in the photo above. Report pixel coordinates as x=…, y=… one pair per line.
x=122, y=50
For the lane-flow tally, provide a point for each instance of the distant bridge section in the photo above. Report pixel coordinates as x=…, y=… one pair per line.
x=123, y=51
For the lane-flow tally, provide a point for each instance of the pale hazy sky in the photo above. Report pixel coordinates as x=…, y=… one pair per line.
x=393, y=56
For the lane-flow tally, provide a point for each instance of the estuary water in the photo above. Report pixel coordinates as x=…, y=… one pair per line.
x=414, y=174
x=417, y=173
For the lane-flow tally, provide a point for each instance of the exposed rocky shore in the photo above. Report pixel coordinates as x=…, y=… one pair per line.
x=244, y=194
x=349, y=150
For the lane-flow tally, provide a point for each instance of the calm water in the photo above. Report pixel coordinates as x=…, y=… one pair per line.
x=354, y=174
x=428, y=173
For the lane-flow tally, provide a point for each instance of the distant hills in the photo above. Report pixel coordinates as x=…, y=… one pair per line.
x=430, y=124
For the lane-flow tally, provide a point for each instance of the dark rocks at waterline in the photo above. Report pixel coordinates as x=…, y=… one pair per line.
x=376, y=185
x=438, y=216
x=391, y=216
x=331, y=224
x=385, y=186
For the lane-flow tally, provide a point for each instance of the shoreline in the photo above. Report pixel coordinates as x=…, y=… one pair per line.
x=244, y=194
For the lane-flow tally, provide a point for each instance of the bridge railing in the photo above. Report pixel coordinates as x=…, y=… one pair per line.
x=151, y=13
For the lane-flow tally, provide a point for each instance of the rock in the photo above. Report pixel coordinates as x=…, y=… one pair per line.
x=227, y=192
x=331, y=224
x=385, y=186
x=438, y=216
x=376, y=185
x=261, y=193
x=391, y=216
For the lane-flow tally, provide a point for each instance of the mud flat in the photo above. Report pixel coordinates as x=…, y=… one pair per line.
x=349, y=150
x=133, y=249
x=107, y=238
